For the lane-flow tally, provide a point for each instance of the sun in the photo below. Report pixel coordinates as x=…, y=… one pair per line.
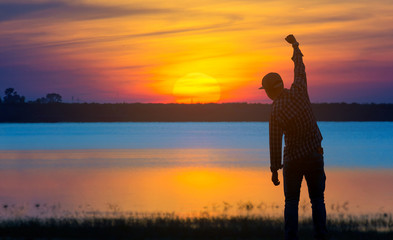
x=196, y=88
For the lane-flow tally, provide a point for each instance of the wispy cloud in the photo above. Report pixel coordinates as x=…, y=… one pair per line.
x=312, y=19
x=70, y=10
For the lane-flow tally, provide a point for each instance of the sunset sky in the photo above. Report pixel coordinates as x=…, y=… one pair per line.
x=156, y=51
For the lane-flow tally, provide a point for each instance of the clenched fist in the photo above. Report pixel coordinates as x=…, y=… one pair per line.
x=275, y=180
x=291, y=39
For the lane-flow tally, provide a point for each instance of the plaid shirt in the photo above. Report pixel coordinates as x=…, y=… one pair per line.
x=292, y=116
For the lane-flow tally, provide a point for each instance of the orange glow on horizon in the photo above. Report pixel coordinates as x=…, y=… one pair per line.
x=197, y=88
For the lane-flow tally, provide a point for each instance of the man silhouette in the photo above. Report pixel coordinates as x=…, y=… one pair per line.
x=292, y=116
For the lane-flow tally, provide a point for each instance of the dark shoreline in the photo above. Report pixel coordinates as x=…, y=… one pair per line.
x=242, y=227
x=156, y=112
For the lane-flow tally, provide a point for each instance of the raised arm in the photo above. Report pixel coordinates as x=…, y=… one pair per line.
x=300, y=82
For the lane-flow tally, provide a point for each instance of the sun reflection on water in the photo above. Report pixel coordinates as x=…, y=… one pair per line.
x=186, y=190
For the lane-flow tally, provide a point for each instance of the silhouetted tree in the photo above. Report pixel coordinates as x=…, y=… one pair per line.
x=11, y=96
x=41, y=100
x=53, y=98
x=50, y=98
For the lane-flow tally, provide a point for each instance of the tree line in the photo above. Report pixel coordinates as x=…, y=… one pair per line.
x=48, y=109
x=158, y=112
x=12, y=97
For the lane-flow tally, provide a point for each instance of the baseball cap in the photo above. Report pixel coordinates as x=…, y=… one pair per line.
x=271, y=80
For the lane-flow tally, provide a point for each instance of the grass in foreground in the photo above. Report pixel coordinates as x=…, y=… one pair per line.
x=247, y=221
x=169, y=226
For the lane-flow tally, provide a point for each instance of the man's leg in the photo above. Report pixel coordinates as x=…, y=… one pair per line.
x=292, y=182
x=315, y=177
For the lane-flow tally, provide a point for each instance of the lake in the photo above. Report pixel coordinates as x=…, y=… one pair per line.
x=186, y=168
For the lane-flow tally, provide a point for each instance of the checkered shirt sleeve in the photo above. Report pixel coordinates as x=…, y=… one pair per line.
x=300, y=82
x=275, y=142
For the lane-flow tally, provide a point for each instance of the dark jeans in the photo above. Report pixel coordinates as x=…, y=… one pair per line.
x=312, y=167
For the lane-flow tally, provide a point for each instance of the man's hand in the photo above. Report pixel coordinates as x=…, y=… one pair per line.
x=291, y=39
x=275, y=180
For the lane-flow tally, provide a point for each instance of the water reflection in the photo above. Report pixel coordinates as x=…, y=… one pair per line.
x=186, y=189
x=120, y=158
